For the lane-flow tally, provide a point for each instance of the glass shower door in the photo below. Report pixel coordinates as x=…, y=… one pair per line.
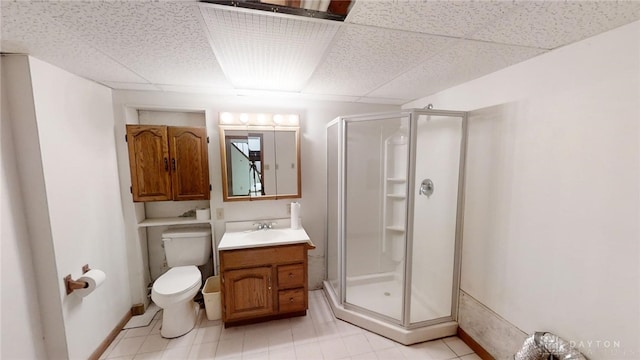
x=375, y=203
x=437, y=179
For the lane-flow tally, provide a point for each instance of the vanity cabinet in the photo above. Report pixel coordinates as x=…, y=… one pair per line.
x=168, y=162
x=264, y=283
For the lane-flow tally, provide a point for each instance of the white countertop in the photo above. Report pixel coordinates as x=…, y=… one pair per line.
x=259, y=238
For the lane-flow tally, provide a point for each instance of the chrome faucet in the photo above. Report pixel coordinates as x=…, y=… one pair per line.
x=265, y=225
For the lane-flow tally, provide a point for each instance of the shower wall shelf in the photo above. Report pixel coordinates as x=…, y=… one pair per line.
x=396, y=196
x=395, y=172
x=396, y=228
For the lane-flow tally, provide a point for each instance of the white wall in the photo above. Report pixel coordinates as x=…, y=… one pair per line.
x=551, y=235
x=65, y=149
x=314, y=116
x=22, y=334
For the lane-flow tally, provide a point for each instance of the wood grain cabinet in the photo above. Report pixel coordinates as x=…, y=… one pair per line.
x=264, y=283
x=168, y=163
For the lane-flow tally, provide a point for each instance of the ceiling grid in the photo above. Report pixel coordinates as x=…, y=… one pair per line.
x=386, y=51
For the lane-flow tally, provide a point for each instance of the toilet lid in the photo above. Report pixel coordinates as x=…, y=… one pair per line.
x=177, y=279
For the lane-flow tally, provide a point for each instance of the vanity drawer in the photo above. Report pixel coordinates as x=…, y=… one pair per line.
x=258, y=256
x=291, y=300
x=290, y=276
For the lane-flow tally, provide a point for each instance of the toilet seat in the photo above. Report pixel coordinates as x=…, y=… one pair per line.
x=178, y=284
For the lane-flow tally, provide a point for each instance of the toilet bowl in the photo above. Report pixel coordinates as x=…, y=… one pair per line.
x=174, y=292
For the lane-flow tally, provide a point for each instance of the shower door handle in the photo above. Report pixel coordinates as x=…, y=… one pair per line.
x=426, y=188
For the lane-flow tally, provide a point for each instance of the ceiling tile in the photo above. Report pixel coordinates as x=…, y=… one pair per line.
x=450, y=18
x=550, y=24
x=27, y=28
x=466, y=61
x=266, y=51
x=161, y=41
x=363, y=58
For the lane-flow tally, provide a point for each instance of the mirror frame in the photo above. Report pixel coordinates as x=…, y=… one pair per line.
x=223, y=162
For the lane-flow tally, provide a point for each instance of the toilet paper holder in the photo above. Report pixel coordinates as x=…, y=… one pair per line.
x=71, y=284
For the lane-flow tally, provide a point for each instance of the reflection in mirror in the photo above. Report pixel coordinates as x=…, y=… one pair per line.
x=244, y=156
x=260, y=162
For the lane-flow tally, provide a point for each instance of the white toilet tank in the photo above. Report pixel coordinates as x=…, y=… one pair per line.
x=187, y=246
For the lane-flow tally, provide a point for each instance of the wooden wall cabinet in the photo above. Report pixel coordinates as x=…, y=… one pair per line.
x=168, y=163
x=264, y=283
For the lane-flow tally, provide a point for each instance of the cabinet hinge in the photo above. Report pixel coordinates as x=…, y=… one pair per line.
x=131, y=189
x=207, y=139
x=210, y=188
x=126, y=139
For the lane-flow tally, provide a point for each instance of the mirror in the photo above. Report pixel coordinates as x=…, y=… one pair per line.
x=260, y=162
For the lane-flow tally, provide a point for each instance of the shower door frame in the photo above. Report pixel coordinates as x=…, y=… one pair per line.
x=455, y=288
x=412, y=115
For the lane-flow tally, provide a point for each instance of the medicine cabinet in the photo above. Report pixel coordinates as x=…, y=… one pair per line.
x=260, y=162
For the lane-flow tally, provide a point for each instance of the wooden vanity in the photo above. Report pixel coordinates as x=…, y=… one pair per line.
x=264, y=283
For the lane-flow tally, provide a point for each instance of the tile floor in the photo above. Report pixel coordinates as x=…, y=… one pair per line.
x=319, y=335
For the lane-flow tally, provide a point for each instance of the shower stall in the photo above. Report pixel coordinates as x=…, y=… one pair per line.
x=394, y=220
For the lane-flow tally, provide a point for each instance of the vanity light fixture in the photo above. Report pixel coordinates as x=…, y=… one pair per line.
x=260, y=119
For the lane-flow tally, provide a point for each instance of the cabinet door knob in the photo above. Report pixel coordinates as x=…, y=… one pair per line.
x=173, y=164
x=290, y=275
x=290, y=300
x=166, y=164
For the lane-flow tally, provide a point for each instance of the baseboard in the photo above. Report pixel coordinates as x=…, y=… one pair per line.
x=112, y=335
x=477, y=348
x=495, y=334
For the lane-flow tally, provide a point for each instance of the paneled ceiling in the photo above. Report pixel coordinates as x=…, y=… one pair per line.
x=386, y=51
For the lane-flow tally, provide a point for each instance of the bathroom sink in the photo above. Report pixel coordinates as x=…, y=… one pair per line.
x=267, y=235
x=258, y=238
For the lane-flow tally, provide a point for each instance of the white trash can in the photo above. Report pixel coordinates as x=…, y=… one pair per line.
x=211, y=295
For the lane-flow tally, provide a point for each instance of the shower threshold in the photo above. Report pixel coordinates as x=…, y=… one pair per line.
x=391, y=331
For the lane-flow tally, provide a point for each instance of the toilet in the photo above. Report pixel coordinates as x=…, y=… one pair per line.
x=186, y=248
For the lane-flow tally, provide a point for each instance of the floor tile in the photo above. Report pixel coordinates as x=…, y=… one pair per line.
x=326, y=331
x=207, y=334
x=378, y=342
x=110, y=348
x=390, y=353
x=185, y=340
x=317, y=336
x=470, y=357
x=156, y=325
x=433, y=350
x=232, y=332
x=156, y=355
x=140, y=331
x=176, y=353
x=304, y=334
x=203, y=351
x=230, y=348
x=286, y=353
x=255, y=344
x=333, y=349
x=263, y=355
x=152, y=343
x=357, y=344
x=127, y=346
x=458, y=346
x=308, y=351
x=367, y=356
